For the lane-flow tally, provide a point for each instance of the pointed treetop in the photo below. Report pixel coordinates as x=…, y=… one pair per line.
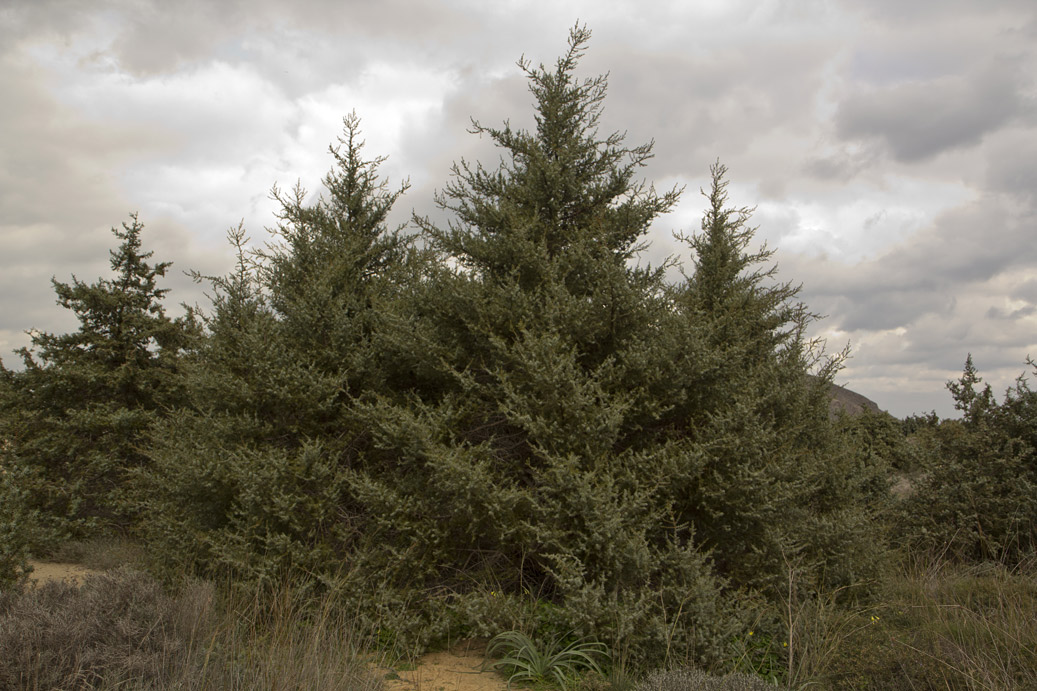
x=559, y=187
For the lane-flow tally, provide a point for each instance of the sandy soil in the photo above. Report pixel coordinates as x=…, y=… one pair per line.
x=42, y=572
x=457, y=669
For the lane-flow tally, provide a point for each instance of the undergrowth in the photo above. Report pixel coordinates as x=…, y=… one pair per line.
x=937, y=624
x=122, y=630
x=932, y=624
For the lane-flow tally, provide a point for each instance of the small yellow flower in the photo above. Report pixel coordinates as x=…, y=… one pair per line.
x=785, y=644
x=750, y=633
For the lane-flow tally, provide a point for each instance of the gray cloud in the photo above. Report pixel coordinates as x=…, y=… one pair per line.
x=1011, y=164
x=929, y=12
x=1026, y=291
x=919, y=120
x=970, y=245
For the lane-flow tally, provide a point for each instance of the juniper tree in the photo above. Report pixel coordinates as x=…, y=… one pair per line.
x=978, y=497
x=249, y=476
x=532, y=411
x=76, y=416
x=538, y=457
x=778, y=488
x=545, y=242
x=973, y=402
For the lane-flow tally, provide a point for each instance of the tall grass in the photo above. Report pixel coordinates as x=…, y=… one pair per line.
x=121, y=630
x=936, y=624
x=970, y=627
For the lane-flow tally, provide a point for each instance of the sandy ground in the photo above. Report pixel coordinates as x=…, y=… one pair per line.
x=457, y=669
x=43, y=572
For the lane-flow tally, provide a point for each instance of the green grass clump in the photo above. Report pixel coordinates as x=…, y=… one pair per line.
x=552, y=663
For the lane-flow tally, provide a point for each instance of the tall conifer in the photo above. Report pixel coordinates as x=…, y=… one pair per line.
x=76, y=416
x=542, y=458
x=778, y=490
x=249, y=476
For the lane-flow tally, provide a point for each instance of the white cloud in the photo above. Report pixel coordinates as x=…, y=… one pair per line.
x=857, y=221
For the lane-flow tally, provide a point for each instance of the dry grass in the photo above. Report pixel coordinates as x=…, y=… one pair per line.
x=697, y=680
x=115, y=627
x=975, y=627
x=283, y=643
x=938, y=626
x=122, y=630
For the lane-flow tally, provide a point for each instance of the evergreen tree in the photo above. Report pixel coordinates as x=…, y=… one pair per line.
x=750, y=318
x=75, y=417
x=538, y=454
x=520, y=408
x=249, y=476
x=978, y=499
x=973, y=402
x=778, y=488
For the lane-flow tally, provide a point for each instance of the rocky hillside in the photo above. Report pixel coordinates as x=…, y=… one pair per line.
x=851, y=402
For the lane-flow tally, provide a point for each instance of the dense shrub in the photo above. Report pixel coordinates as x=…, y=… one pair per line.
x=977, y=500
x=885, y=441
x=19, y=525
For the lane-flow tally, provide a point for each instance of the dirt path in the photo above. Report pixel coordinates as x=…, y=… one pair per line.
x=457, y=669
x=43, y=572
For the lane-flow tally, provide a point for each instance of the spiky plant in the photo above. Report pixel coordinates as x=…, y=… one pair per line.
x=553, y=663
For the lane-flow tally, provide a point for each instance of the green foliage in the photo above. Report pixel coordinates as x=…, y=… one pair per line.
x=19, y=529
x=73, y=421
x=250, y=477
x=885, y=441
x=520, y=402
x=978, y=498
x=585, y=432
x=777, y=481
x=551, y=663
x=535, y=448
x=758, y=654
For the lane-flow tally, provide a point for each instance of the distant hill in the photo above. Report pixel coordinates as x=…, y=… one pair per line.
x=850, y=402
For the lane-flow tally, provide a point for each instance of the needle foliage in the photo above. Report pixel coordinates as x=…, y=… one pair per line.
x=513, y=401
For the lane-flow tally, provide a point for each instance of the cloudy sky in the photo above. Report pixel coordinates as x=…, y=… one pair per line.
x=890, y=147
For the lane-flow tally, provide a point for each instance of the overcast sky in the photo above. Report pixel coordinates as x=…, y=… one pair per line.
x=889, y=146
